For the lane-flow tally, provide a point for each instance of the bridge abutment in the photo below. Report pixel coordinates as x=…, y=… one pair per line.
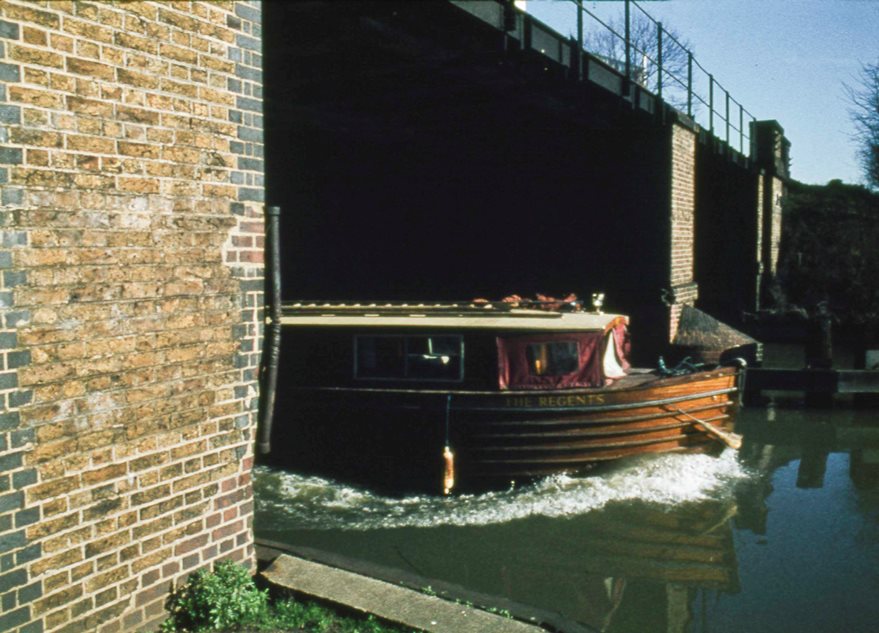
x=683, y=288
x=738, y=222
x=771, y=152
x=131, y=303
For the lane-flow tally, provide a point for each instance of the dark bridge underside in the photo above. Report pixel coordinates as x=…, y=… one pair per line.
x=414, y=157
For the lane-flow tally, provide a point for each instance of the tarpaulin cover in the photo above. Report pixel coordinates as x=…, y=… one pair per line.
x=516, y=371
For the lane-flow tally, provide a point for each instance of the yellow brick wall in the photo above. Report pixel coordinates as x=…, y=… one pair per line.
x=131, y=213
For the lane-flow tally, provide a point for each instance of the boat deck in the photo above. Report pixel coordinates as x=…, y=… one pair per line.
x=459, y=316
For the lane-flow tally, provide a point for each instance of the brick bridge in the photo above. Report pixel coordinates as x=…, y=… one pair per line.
x=418, y=149
x=464, y=149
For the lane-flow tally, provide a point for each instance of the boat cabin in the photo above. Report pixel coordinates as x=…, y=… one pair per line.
x=453, y=346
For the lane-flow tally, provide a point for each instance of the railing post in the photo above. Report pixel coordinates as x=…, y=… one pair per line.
x=753, y=153
x=741, y=129
x=628, y=46
x=711, y=103
x=659, y=60
x=727, y=115
x=690, y=84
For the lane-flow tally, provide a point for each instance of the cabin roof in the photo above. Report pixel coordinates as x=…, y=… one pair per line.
x=458, y=316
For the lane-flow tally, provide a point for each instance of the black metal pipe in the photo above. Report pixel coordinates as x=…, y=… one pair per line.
x=272, y=349
x=273, y=246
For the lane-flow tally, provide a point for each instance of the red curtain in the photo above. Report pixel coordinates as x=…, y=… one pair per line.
x=514, y=370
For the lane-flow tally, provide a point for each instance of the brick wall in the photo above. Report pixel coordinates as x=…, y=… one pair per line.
x=758, y=250
x=774, y=207
x=683, y=288
x=131, y=300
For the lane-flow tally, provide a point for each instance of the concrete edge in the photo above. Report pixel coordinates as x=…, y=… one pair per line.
x=400, y=605
x=267, y=550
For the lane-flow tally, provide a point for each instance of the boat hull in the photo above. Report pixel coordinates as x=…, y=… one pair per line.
x=526, y=436
x=395, y=437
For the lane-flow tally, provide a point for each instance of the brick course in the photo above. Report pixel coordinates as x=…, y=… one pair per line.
x=131, y=303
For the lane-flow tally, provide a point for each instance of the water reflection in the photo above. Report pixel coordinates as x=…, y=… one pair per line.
x=783, y=536
x=574, y=550
x=806, y=533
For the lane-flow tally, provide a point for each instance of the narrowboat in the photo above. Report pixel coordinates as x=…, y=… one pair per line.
x=480, y=395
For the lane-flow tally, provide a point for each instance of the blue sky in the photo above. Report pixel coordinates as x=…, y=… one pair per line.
x=782, y=59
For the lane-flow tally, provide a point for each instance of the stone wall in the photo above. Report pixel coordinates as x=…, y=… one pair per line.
x=131, y=302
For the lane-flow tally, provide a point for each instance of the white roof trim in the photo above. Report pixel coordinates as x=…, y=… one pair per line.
x=538, y=320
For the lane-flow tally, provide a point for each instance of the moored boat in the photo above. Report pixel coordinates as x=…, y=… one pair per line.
x=477, y=395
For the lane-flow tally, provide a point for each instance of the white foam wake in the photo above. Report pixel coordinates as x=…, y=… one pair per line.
x=302, y=502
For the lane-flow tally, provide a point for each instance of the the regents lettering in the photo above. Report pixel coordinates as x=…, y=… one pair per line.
x=572, y=400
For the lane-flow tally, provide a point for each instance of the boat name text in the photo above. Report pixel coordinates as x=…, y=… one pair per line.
x=572, y=400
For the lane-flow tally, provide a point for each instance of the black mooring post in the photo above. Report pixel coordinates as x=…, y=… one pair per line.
x=822, y=381
x=272, y=349
x=867, y=357
x=819, y=346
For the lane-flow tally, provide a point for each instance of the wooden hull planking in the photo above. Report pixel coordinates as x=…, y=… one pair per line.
x=498, y=437
x=522, y=444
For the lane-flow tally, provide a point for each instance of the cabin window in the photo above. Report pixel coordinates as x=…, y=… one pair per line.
x=555, y=358
x=409, y=357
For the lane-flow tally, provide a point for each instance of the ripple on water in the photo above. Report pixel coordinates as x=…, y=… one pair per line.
x=307, y=502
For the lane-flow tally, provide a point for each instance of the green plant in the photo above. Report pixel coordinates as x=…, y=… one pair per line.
x=293, y=614
x=314, y=618
x=215, y=600
x=501, y=612
x=226, y=599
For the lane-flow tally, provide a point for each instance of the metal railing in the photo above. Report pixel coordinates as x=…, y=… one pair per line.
x=646, y=53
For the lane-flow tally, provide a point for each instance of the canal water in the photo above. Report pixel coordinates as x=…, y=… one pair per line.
x=783, y=536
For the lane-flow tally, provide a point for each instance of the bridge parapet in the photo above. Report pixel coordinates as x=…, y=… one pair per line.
x=724, y=225
x=645, y=65
x=510, y=151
